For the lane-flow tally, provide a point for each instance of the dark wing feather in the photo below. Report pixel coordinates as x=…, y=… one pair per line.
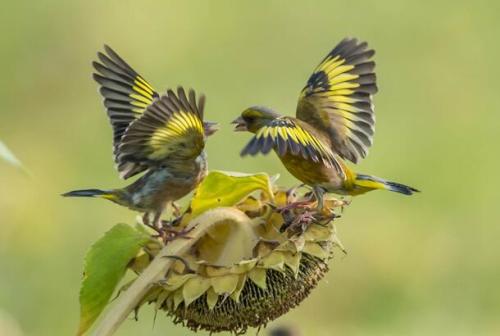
x=287, y=135
x=126, y=95
x=170, y=129
x=337, y=99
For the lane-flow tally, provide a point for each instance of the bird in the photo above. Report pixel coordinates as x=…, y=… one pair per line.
x=161, y=135
x=334, y=123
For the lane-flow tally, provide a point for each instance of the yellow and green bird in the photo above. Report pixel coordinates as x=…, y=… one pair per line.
x=163, y=135
x=334, y=122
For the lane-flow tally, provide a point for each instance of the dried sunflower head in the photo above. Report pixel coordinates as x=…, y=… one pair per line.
x=261, y=257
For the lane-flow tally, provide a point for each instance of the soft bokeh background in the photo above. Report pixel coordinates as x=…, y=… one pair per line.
x=426, y=265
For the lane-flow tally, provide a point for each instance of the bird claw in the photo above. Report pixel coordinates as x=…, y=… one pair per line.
x=299, y=223
x=147, y=222
x=171, y=234
x=295, y=205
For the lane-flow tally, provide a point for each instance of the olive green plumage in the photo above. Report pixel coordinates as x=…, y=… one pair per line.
x=163, y=135
x=334, y=122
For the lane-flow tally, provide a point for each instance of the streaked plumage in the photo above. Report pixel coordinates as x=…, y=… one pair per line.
x=163, y=135
x=334, y=122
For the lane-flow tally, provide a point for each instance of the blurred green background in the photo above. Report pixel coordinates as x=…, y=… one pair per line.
x=425, y=265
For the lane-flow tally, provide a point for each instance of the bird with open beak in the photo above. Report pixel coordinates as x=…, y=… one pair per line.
x=334, y=122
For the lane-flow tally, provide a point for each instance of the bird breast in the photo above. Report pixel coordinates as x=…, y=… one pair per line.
x=312, y=173
x=168, y=182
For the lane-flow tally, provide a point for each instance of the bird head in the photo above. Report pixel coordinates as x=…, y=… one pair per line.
x=254, y=118
x=210, y=127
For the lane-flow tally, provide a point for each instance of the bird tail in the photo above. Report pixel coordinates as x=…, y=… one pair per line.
x=365, y=183
x=106, y=194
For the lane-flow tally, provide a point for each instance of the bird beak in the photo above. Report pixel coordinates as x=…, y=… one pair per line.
x=210, y=127
x=239, y=125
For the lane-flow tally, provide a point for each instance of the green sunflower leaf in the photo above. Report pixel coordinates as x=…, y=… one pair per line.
x=227, y=189
x=105, y=265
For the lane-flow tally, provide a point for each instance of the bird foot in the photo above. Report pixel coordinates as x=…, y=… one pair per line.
x=298, y=223
x=146, y=221
x=171, y=234
x=295, y=205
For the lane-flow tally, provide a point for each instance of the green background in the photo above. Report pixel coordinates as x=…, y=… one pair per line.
x=425, y=265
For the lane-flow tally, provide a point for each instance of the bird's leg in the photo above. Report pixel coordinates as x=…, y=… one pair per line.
x=176, y=210
x=318, y=193
x=297, y=204
x=146, y=220
x=345, y=201
x=157, y=222
x=307, y=216
x=168, y=232
x=298, y=223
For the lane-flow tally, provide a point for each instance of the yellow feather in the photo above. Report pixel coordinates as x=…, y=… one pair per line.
x=139, y=98
x=139, y=104
x=274, y=132
x=332, y=64
x=343, y=106
x=340, y=99
x=344, y=77
x=292, y=135
x=301, y=136
x=340, y=69
x=142, y=92
x=345, y=85
x=111, y=197
x=146, y=84
x=175, y=126
x=342, y=92
x=283, y=133
x=138, y=110
x=266, y=132
x=149, y=89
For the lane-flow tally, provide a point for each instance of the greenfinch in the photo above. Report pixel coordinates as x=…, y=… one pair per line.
x=161, y=135
x=334, y=122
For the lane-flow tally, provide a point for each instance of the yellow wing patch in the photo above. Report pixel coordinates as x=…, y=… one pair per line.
x=285, y=135
x=180, y=126
x=171, y=128
x=126, y=96
x=338, y=98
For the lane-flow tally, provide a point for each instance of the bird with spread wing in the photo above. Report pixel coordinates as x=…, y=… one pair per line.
x=334, y=122
x=161, y=135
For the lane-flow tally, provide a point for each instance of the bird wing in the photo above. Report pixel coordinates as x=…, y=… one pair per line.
x=126, y=94
x=171, y=128
x=289, y=136
x=337, y=99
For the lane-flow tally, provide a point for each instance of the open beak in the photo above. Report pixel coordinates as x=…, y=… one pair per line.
x=239, y=125
x=210, y=127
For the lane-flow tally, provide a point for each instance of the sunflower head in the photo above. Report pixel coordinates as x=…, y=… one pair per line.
x=261, y=257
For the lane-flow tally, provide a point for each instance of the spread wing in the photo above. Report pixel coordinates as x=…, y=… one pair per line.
x=289, y=136
x=337, y=99
x=126, y=95
x=171, y=128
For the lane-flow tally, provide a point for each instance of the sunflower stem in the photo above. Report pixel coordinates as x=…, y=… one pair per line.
x=130, y=298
